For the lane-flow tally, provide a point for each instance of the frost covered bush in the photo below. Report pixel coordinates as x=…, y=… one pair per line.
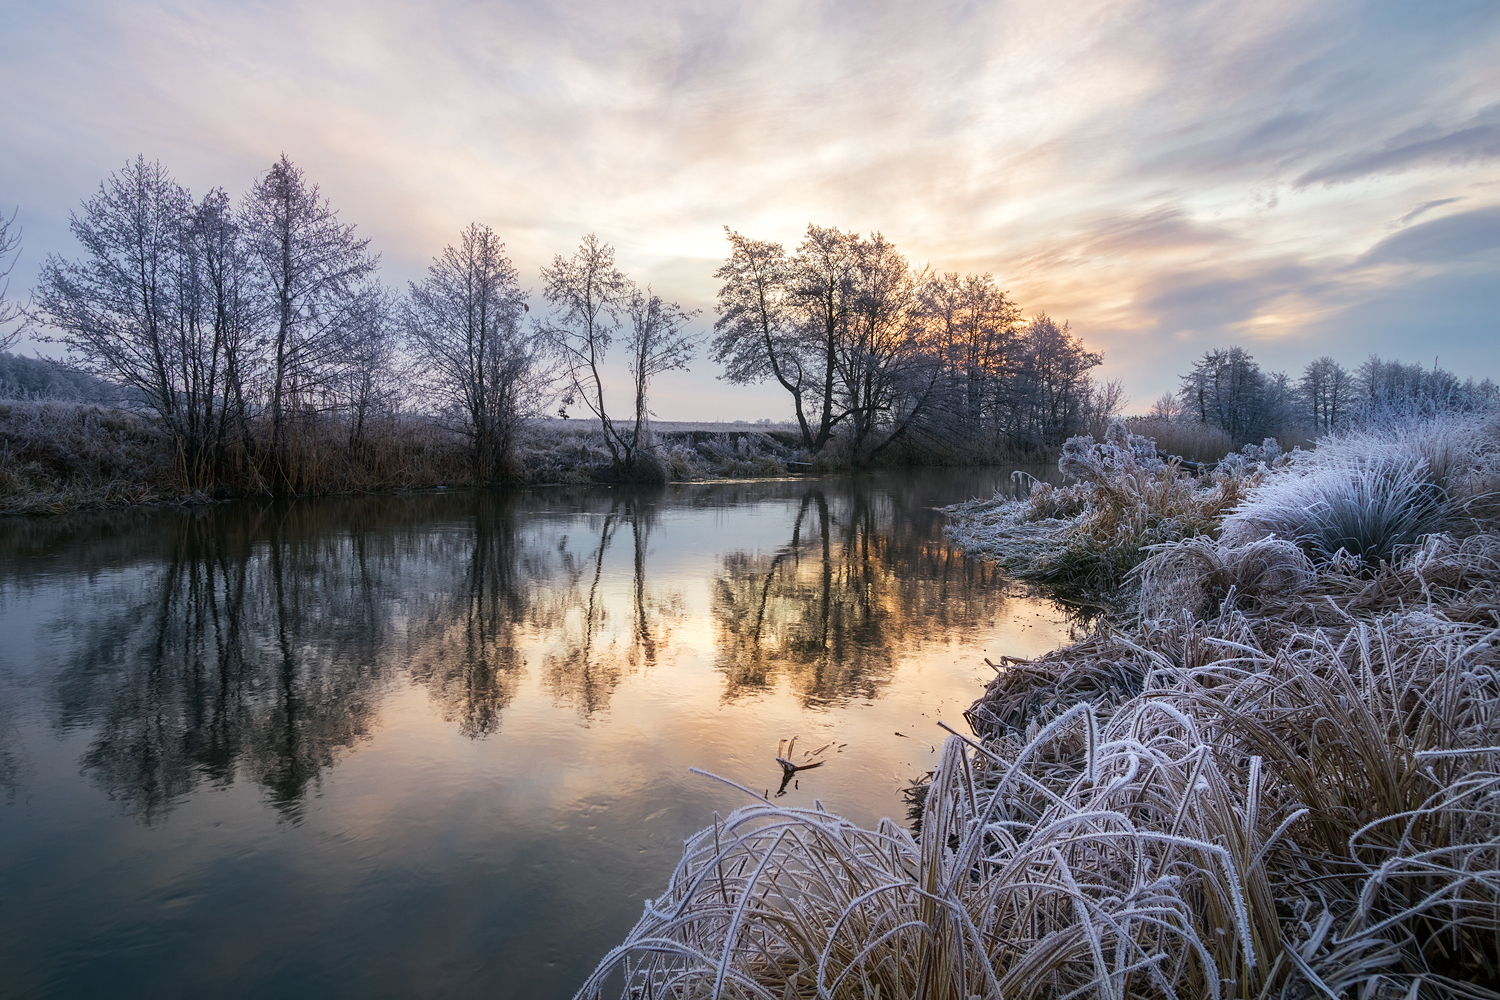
x=1084, y=538
x=1372, y=492
x=1399, y=495
x=1367, y=507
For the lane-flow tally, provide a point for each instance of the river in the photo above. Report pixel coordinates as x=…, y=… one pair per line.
x=438, y=745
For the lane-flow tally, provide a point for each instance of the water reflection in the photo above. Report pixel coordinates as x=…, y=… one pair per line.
x=249, y=653
x=467, y=651
x=257, y=643
x=422, y=715
x=836, y=607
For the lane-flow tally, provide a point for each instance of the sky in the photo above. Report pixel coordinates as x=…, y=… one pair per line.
x=1295, y=178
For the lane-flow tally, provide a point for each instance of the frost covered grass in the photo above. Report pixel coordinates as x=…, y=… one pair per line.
x=1365, y=496
x=1083, y=539
x=1276, y=775
x=1268, y=814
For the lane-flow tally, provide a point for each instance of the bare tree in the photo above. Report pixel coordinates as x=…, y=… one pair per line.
x=371, y=376
x=217, y=328
x=1105, y=401
x=1048, y=395
x=657, y=345
x=588, y=293
x=157, y=305
x=1166, y=407
x=465, y=321
x=821, y=288
x=977, y=329
x=1228, y=389
x=1327, y=390
x=757, y=336
x=10, y=310
x=312, y=266
x=880, y=348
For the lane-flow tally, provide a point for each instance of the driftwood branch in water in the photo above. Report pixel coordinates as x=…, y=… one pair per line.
x=788, y=767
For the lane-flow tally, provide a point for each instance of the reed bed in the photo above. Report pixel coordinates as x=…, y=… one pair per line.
x=1186, y=438
x=1276, y=775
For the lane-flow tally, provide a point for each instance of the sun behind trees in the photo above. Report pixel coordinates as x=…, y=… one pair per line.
x=870, y=349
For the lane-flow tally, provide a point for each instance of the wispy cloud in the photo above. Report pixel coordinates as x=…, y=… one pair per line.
x=1477, y=141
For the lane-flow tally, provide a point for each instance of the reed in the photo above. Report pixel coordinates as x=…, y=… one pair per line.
x=1184, y=438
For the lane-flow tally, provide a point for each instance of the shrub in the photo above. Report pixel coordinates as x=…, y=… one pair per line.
x=1085, y=538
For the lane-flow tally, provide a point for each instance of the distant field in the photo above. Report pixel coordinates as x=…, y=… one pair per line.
x=665, y=426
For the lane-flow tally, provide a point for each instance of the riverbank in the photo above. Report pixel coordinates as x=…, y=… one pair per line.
x=1272, y=768
x=57, y=456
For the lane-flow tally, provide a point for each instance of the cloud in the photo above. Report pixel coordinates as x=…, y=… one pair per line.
x=1423, y=209
x=1477, y=142
x=1161, y=173
x=1451, y=238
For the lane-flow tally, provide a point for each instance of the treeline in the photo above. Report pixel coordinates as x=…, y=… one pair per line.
x=40, y=379
x=874, y=352
x=256, y=337
x=1227, y=390
x=256, y=334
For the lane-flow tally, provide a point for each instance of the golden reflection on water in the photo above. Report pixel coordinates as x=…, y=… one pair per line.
x=496, y=696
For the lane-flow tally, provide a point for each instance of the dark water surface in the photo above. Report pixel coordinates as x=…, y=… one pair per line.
x=437, y=746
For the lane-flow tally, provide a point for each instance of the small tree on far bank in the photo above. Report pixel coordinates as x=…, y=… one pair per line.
x=465, y=321
x=591, y=296
x=587, y=291
x=312, y=267
x=657, y=345
x=158, y=304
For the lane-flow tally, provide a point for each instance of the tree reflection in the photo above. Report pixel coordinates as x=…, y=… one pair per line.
x=257, y=644
x=853, y=590
x=593, y=645
x=470, y=657
x=251, y=651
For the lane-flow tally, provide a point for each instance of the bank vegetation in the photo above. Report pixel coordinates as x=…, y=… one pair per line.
x=1272, y=770
x=218, y=346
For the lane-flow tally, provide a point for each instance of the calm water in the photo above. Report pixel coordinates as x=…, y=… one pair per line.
x=438, y=745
